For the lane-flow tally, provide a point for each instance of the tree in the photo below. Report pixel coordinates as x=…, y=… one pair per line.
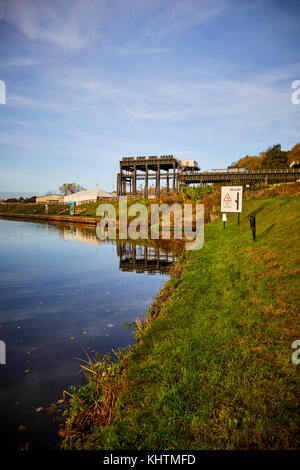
x=252, y=163
x=274, y=157
x=12, y=199
x=70, y=188
x=294, y=154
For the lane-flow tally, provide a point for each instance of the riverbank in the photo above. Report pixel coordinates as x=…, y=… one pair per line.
x=51, y=218
x=214, y=369
x=87, y=213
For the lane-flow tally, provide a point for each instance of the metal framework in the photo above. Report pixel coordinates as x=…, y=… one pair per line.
x=145, y=169
x=168, y=168
x=243, y=177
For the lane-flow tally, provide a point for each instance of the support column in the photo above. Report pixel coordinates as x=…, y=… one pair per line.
x=118, y=185
x=121, y=182
x=146, y=181
x=174, y=189
x=168, y=188
x=157, y=189
x=134, y=180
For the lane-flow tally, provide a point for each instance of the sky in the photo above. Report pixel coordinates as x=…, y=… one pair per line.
x=88, y=82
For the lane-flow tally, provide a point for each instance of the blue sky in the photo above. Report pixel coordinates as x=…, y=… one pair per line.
x=91, y=81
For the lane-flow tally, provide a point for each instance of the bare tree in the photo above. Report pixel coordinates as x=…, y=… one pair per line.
x=70, y=188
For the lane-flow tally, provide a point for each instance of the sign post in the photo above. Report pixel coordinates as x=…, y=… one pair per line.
x=72, y=207
x=232, y=200
x=224, y=218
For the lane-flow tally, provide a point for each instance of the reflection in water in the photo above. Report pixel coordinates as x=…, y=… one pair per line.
x=78, y=234
x=59, y=300
x=147, y=259
x=134, y=256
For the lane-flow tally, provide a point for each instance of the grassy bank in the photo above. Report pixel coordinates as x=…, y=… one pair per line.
x=213, y=370
x=210, y=198
x=84, y=210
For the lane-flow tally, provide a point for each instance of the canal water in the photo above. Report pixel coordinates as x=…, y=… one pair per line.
x=63, y=294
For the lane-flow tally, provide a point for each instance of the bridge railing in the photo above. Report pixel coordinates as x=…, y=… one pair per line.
x=226, y=172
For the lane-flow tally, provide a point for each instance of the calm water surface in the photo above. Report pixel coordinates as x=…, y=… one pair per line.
x=62, y=294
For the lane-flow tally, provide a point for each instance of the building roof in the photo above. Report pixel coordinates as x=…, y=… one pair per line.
x=86, y=195
x=50, y=197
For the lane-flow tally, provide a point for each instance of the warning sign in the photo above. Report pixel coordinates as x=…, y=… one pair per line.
x=231, y=198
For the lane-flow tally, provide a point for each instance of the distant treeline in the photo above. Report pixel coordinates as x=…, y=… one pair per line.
x=22, y=200
x=273, y=158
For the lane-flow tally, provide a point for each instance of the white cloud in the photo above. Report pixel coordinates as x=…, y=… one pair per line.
x=19, y=62
x=74, y=24
x=142, y=50
x=177, y=15
x=18, y=101
x=54, y=22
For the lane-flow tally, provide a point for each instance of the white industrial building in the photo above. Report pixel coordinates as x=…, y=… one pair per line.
x=86, y=196
x=50, y=199
x=188, y=164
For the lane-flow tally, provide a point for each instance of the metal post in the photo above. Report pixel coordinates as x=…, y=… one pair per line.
x=224, y=218
x=253, y=226
x=146, y=181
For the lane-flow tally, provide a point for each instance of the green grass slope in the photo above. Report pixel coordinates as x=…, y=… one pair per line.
x=214, y=369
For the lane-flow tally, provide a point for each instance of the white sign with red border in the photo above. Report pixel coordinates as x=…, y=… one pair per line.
x=231, y=198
